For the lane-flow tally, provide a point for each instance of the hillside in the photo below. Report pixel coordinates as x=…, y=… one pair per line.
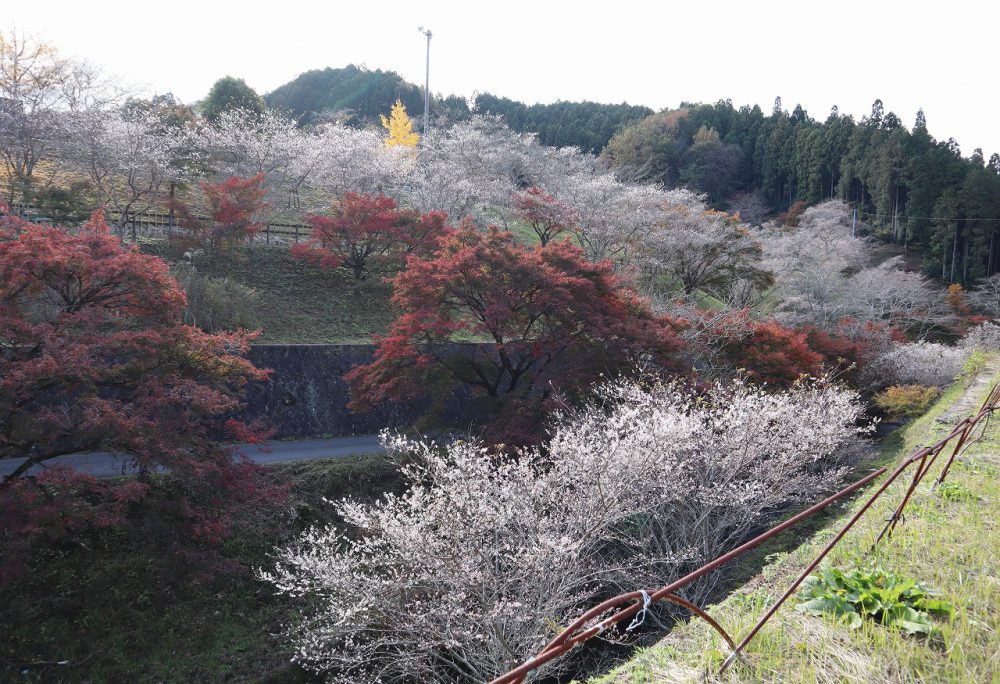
x=916, y=191
x=587, y=125
x=298, y=303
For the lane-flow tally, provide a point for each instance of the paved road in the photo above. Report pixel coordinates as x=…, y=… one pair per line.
x=102, y=464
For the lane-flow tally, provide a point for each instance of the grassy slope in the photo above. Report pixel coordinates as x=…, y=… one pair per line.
x=953, y=546
x=299, y=303
x=117, y=611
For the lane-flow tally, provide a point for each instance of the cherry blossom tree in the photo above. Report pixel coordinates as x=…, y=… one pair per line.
x=130, y=157
x=812, y=265
x=38, y=87
x=822, y=276
x=611, y=216
x=921, y=363
x=985, y=337
x=242, y=143
x=469, y=168
x=693, y=248
x=338, y=159
x=465, y=574
x=986, y=296
x=906, y=300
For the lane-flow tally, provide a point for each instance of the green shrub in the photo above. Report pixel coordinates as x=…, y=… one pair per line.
x=65, y=206
x=216, y=304
x=906, y=400
x=883, y=597
x=954, y=491
x=974, y=363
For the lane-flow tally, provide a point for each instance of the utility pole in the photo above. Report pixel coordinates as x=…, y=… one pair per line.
x=427, y=81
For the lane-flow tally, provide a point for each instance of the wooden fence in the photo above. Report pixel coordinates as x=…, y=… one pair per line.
x=160, y=225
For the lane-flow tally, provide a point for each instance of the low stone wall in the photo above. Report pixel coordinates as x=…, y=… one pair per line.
x=307, y=396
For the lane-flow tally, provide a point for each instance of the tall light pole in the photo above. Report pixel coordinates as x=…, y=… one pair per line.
x=427, y=82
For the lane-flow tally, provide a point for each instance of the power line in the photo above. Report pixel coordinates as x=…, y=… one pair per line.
x=931, y=218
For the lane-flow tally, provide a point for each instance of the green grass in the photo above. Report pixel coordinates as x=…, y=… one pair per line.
x=299, y=303
x=950, y=540
x=116, y=609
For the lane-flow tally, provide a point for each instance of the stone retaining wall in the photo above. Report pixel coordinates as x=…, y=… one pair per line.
x=307, y=395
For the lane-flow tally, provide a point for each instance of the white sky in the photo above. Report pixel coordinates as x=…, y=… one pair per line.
x=939, y=56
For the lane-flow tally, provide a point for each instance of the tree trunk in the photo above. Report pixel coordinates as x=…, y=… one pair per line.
x=954, y=253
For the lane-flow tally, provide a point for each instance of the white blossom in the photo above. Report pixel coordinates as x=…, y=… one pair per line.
x=129, y=155
x=823, y=274
x=921, y=363
x=469, y=168
x=474, y=567
x=340, y=159
x=244, y=144
x=984, y=337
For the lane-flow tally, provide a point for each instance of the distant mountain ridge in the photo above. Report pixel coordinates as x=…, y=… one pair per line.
x=359, y=95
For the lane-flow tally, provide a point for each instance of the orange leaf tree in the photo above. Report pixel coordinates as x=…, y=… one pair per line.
x=93, y=356
x=548, y=318
x=368, y=235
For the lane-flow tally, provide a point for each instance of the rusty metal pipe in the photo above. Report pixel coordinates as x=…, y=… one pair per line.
x=571, y=637
x=563, y=642
x=817, y=560
x=890, y=524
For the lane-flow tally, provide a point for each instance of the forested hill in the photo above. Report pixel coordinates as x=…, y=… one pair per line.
x=587, y=125
x=355, y=94
x=362, y=93
x=361, y=96
x=919, y=191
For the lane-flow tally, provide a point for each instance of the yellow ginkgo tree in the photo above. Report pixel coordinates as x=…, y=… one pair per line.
x=399, y=127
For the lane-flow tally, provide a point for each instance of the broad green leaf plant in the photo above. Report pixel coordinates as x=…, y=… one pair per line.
x=874, y=594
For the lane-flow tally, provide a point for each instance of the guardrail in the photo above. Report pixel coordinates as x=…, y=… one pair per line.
x=962, y=436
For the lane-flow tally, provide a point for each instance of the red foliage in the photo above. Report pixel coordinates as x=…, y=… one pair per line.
x=765, y=350
x=233, y=207
x=851, y=344
x=369, y=235
x=776, y=355
x=792, y=216
x=93, y=356
x=553, y=320
x=544, y=214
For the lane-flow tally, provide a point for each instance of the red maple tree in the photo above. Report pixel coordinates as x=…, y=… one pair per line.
x=549, y=320
x=764, y=350
x=368, y=235
x=543, y=213
x=233, y=205
x=776, y=355
x=93, y=356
